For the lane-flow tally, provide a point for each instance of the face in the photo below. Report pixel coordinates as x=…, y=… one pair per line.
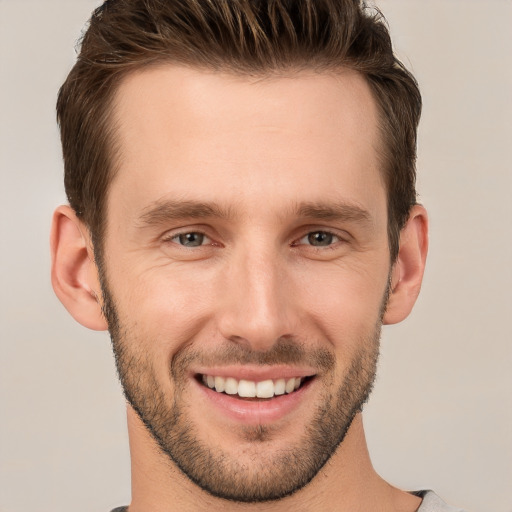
x=246, y=269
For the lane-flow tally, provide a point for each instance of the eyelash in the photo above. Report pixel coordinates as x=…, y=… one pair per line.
x=171, y=238
x=331, y=245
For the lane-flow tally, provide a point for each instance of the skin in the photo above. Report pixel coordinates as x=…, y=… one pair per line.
x=260, y=152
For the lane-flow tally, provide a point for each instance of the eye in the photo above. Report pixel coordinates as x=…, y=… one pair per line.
x=319, y=239
x=192, y=239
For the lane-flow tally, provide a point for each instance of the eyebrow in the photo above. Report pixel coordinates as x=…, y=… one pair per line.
x=349, y=212
x=162, y=211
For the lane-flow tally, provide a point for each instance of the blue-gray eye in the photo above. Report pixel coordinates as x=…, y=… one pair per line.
x=190, y=239
x=320, y=238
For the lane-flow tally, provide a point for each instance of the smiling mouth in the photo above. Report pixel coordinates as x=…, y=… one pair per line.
x=247, y=389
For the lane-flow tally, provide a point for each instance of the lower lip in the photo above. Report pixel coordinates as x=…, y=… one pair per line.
x=253, y=412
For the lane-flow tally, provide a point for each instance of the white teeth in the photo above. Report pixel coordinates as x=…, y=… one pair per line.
x=279, y=387
x=220, y=384
x=265, y=389
x=290, y=385
x=231, y=386
x=250, y=389
x=246, y=389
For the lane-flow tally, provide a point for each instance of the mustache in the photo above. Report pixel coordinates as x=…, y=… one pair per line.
x=285, y=351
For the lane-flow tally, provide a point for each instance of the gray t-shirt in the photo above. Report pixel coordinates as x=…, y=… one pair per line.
x=431, y=503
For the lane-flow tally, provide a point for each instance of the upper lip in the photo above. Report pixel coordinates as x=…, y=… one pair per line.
x=255, y=373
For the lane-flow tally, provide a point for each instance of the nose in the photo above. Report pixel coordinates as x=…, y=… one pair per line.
x=256, y=307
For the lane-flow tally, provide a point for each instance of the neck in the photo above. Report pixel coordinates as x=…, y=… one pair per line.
x=347, y=482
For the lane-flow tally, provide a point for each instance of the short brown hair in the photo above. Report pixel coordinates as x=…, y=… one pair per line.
x=243, y=37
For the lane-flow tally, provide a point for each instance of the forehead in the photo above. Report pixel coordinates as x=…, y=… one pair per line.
x=219, y=137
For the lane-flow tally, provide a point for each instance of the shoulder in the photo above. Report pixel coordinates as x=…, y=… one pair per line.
x=433, y=503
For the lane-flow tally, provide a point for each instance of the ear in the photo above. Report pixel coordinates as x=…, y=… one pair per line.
x=407, y=272
x=74, y=272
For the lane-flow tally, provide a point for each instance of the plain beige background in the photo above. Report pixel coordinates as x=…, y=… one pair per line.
x=441, y=414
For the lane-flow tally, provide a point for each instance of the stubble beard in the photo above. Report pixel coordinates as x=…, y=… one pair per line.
x=267, y=477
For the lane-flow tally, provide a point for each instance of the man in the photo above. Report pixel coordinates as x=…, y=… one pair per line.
x=243, y=220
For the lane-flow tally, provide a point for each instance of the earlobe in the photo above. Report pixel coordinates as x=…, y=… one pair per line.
x=407, y=272
x=74, y=272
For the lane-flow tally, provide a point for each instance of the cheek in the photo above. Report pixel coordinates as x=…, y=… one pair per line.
x=161, y=309
x=345, y=303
